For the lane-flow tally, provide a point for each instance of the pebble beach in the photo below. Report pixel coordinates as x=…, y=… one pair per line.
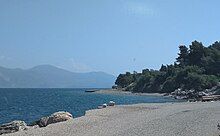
x=150, y=119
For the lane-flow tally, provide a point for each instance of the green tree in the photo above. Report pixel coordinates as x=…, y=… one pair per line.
x=163, y=68
x=124, y=80
x=216, y=45
x=183, y=56
x=196, y=68
x=196, y=53
x=168, y=86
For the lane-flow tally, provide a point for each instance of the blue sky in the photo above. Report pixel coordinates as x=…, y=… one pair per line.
x=113, y=36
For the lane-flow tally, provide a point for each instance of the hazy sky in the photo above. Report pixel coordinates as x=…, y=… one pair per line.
x=113, y=36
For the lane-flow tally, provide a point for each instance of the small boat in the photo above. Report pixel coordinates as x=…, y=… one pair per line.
x=90, y=91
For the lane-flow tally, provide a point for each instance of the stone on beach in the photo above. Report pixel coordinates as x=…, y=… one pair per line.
x=54, y=118
x=150, y=119
x=12, y=127
x=102, y=106
x=111, y=103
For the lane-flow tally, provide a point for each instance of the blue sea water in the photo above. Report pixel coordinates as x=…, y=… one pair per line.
x=32, y=104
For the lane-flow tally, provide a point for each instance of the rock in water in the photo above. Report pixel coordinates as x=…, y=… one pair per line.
x=12, y=127
x=54, y=118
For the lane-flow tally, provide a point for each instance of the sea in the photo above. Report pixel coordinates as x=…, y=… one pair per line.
x=31, y=104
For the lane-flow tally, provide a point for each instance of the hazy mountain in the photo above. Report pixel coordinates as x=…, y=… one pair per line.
x=47, y=76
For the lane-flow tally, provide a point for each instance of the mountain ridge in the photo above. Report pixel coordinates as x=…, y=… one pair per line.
x=49, y=76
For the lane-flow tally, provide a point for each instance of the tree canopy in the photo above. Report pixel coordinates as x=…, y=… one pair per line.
x=196, y=68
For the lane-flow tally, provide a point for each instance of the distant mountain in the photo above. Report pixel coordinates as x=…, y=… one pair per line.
x=47, y=76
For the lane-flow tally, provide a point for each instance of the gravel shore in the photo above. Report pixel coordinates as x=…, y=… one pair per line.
x=116, y=91
x=164, y=119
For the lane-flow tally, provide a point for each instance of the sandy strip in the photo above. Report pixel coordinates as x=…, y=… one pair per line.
x=168, y=119
x=114, y=91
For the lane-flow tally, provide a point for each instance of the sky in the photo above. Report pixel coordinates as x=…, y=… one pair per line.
x=112, y=36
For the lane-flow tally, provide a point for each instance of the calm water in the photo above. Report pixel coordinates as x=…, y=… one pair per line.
x=32, y=104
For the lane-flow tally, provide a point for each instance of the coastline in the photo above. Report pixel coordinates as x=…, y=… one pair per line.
x=182, y=119
x=118, y=91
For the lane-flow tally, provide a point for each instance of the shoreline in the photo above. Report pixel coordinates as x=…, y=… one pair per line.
x=199, y=118
x=100, y=91
x=117, y=91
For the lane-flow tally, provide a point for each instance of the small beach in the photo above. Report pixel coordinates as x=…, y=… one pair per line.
x=155, y=119
x=118, y=91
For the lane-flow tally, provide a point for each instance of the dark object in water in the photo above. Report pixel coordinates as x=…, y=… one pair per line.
x=90, y=91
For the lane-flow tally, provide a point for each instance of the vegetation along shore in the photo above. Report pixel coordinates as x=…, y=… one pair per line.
x=195, y=73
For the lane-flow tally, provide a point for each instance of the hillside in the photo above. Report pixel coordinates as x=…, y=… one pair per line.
x=47, y=76
x=196, y=70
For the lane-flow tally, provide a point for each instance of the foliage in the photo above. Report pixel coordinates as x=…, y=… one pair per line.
x=124, y=80
x=196, y=68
